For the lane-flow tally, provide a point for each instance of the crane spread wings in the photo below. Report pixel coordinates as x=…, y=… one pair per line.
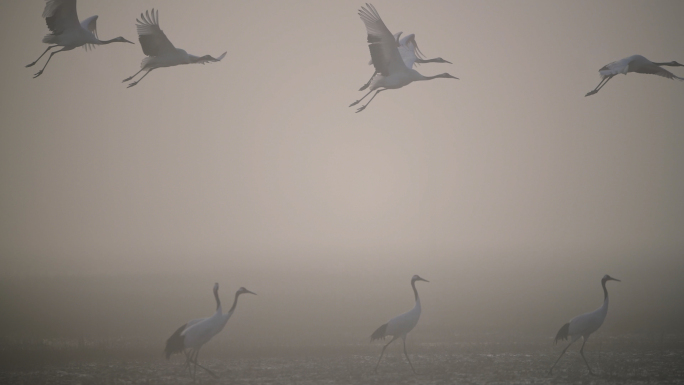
x=90, y=25
x=60, y=15
x=655, y=70
x=206, y=58
x=409, y=51
x=152, y=39
x=381, y=42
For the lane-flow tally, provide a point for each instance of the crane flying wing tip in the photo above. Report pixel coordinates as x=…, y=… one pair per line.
x=222, y=56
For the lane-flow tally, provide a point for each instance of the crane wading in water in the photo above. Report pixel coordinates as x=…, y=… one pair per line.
x=194, y=334
x=635, y=63
x=158, y=48
x=67, y=32
x=585, y=324
x=400, y=325
x=392, y=72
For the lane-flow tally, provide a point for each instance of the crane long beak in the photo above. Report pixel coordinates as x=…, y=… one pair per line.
x=448, y=62
x=250, y=292
x=421, y=279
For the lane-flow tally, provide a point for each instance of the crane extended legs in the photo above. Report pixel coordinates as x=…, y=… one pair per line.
x=43, y=54
x=383, y=352
x=371, y=99
x=584, y=341
x=369, y=82
x=599, y=86
x=48, y=60
x=137, y=81
x=191, y=359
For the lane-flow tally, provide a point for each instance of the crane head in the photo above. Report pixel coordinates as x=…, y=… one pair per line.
x=242, y=290
x=122, y=40
x=675, y=64
x=609, y=278
x=417, y=278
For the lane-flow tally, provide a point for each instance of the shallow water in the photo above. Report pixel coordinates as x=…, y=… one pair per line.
x=618, y=361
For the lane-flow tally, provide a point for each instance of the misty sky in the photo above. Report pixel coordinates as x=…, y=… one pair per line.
x=505, y=188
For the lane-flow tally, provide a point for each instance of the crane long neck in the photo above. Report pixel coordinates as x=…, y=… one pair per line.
x=427, y=60
x=218, y=301
x=232, y=308
x=415, y=292
x=605, y=291
x=671, y=64
x=103, y=42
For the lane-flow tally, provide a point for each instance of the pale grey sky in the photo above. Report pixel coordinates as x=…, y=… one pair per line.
x=256, y=162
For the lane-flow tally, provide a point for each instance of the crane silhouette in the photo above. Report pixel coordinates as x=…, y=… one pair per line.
x=392, y=71
x=194, y=334
x=634, y=63
x=67, y=32
x=400, y=325
x=410, y=54
x=159, y=49
x=583, y=325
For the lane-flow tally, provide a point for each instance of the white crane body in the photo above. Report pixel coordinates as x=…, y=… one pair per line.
x=67, y=32
x=194, y=334
x=391, y=70
x=159, y=49
x=582, y=326
x=401, y=325
x=637, y=64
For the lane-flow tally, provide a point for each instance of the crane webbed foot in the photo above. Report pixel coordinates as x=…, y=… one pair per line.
x=38, y=74
x=590, y=93
x=355, y=103
x=32, y=64
x=132, y=84
x=360, y=109
x=127, y=79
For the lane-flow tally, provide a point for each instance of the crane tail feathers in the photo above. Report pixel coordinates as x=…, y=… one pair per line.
x=175, y=343
x=562, y=333
x=379, y=334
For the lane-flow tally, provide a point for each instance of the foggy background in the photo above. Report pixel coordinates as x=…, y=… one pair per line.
x=507, y=189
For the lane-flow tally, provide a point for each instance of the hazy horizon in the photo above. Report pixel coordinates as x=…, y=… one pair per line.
x=507, y=189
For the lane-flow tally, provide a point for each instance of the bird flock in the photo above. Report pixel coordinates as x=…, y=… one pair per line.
x=393, y=59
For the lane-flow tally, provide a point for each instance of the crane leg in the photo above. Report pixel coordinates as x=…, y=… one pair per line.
x=131, y=77
x=364, y=86
x=407, y=357
x=371, y=99
x=599, y=86
x=138, y=81
x=43, y=54
x=584, y=341
x=559, y=357
x=197, y=364
x=358, y=101
x=46, y=63
x=383, y=352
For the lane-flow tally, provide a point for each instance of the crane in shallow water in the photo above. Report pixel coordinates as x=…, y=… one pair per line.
x=583, y=325
x=194, y=334
x=400, y=325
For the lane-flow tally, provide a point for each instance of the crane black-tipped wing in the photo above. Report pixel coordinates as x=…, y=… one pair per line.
x=379, y=334
x=206, y=58
x=60, y=15
x=152, y=39
x=175, y=343
x=562, y=333
x=381, y=43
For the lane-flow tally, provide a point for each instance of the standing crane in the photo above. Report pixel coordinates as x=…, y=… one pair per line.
x=194, y=334
x=392, y=71
x=400, y=325
x=67, y=32
x=159, y=50
x=634, y=63
x=410, y=54
x=583, y=325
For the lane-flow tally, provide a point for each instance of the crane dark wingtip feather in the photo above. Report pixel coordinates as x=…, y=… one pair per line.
x=562, y=333
x=379, y=334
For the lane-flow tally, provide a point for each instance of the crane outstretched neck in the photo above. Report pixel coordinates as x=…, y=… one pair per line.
x=415, y=292
x=218, y=301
